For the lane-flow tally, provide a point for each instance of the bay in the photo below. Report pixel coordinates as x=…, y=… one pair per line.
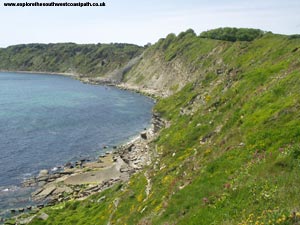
x=48, y=120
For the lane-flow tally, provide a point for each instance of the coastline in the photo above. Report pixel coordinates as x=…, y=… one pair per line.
x=41, y=72
x=152, y=93
x=86, y=178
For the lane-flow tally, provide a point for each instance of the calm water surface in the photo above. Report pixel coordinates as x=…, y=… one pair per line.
x=48, y=120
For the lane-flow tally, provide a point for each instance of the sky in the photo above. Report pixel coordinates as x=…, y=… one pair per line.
x=141, y=21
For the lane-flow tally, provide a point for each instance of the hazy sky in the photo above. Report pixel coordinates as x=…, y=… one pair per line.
x=141, y=21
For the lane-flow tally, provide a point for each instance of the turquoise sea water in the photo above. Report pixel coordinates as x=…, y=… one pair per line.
x=48, y=120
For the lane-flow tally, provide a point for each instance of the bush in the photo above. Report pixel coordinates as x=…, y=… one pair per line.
x=232, y=34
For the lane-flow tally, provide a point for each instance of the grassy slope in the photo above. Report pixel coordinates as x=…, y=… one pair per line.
x=89, y=60
x=172, y=62
x=232, y=152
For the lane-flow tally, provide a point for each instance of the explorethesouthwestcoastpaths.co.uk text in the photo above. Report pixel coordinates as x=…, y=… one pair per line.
x=53, y=4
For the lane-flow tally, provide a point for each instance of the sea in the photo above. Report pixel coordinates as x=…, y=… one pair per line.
x=49, y=120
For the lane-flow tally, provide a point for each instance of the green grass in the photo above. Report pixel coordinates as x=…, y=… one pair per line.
x=87, y=60
x=232, y=152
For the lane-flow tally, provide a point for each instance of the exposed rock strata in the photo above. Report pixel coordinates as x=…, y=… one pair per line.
x=86, y=178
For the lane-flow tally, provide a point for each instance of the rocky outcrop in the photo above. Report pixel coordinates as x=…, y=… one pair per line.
x=158, y=122
x=82, y=178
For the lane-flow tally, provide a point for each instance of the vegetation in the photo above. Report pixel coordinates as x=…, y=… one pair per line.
x=87, y=60
x=232, y=152
x=233, y=34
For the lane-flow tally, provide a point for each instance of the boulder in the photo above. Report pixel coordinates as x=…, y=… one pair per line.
x=29, y=182
x=43, y=173
x=46, y=191
x=21, y=210
x=68, y=165
x=64, y=189
x=42, y=183
x=43, y=216
x=37, y=191
x=144, y=135
x=124, y=169
x=43, y=176
x=13, y=211
x=79, y=163
x=40, y=206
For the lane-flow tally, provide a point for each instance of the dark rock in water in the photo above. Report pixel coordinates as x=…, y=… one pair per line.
x=29, y=207
x=82, y=160
x=105, y=147
x=68, y=165
x=21, y=210
x=13, y=211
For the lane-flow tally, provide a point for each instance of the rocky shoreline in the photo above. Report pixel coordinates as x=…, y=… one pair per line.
x=106, y=81
x=83, y=178
x=152, y=93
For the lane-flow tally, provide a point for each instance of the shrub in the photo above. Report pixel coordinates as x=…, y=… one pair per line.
x=232, y=34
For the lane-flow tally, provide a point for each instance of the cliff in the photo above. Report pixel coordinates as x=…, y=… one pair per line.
x=83, y=60
x=230, y=153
